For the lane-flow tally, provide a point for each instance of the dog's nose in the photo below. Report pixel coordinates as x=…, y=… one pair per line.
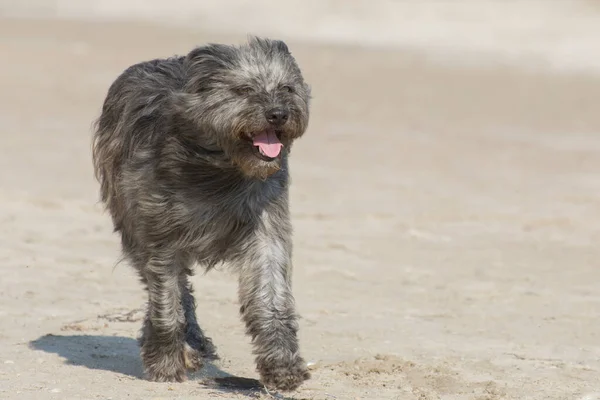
x=277, y=116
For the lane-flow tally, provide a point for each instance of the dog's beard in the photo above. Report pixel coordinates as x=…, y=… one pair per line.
x=255, y=168
x=259, y=154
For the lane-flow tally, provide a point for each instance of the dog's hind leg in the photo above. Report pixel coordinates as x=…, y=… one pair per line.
x=194, y=336
x=267, y=305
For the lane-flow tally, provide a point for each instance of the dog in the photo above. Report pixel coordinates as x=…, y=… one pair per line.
x=191, y=153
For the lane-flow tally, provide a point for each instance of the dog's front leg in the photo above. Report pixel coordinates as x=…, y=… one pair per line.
x=163, y=336
x=267, y=306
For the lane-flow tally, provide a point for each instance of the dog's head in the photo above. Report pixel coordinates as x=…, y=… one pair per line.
x=250, y=102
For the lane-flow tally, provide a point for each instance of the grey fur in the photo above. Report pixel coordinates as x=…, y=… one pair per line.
x=184, y=185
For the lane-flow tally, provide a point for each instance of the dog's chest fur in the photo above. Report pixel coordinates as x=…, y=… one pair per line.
x=214, y=217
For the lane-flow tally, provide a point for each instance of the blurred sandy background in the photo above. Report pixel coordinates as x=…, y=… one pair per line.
x=445, y=199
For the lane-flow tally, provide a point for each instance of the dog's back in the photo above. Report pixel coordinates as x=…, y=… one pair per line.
x=133, y=106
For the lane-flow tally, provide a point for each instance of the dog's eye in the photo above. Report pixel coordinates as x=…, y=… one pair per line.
x=288, y=89
x=243, y=90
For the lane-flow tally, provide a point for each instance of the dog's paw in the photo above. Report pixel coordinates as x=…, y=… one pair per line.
x=160, y=366
x=284, y=375
x=193, y=358
x=167, y=376
x=172, y=374
x=203, y=345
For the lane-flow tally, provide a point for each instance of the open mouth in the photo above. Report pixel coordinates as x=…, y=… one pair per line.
x=267, y=144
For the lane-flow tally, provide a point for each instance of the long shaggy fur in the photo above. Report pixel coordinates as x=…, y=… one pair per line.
x=185, y=185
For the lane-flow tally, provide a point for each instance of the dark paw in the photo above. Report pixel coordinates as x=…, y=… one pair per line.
x=193, y=358
x=282, y=375
x=203, y=345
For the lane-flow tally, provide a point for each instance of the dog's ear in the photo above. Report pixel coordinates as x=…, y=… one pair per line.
x=269, y=45
x=215, y=54
x=182, y=102
x=186, y=105
x=203, y=63
x=280, y=46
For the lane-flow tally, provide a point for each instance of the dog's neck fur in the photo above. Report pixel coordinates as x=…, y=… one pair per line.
x=212, y=177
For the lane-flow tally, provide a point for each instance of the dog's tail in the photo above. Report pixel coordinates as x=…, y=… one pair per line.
x=108, y=150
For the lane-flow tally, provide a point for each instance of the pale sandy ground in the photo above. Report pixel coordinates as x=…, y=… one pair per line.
x=446, y=217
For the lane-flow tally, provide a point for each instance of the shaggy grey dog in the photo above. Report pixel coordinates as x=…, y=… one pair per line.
x=192, y=156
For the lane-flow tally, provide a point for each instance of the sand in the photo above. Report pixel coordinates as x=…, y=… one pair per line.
x=446, y=226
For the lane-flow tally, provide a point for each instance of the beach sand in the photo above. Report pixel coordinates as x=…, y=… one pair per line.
x=446, y=221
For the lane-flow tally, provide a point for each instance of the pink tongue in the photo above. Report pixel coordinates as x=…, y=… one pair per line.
x=268, y=144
